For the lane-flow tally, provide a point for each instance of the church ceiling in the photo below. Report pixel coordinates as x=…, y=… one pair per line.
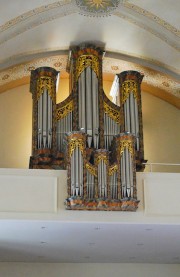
x=140, y=35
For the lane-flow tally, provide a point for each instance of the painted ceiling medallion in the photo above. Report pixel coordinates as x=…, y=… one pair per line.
x=97, y=7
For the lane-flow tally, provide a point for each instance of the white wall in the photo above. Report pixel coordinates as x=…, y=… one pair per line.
x=88, y=270
x=161, y=123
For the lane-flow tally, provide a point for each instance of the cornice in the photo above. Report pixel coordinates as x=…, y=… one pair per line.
x=119, y=55
x=152, y=78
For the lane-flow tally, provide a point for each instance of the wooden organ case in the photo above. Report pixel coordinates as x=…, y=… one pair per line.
x=99, y=143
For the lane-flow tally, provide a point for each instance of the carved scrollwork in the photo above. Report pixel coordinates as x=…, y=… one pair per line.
x=65, y=110
x=76, y=142
x=128, y=87
x=112, y=113
x=43, y=83
x=112, y=169
x=126, y=144
x=100, y=158
x=92, y=170
x=84, y=61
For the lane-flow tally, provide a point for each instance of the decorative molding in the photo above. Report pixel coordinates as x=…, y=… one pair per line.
x=112, y=169
x=112, y=113
x=151, y=77
x=32, y=19
x=97, y=8
x=45, y=82
x=84, y=61
x=24, y=70
x=91, y=169
x=31, y=13
x=65, y=110
x=149, y=29
x=128, y=87
x=62, y=8
x=76, y=142
x=153, y=17
x=110, y=65
x=126, y=144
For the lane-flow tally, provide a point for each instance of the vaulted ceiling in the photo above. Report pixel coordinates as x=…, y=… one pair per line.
x=139, y=35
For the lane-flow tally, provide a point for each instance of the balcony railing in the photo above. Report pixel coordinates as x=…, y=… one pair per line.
x=162, y=167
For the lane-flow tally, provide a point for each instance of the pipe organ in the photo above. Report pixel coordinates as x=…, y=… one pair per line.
x=99, y=143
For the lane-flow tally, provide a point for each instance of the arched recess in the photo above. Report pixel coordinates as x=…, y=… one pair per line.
x=154, y=82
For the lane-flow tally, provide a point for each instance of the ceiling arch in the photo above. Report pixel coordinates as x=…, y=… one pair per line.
x=142, y=34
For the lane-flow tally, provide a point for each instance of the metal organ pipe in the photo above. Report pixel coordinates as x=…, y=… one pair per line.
x=131, y=117
x=80, y=167
x=123, y=174
x=126, y=174
x=131, y=176
x=77, y=173
x=102, y=179
x=45, y=120
x=88, y=105
x=90, y=185
x=95, y=109
x=72, y=175
x=127, y=116
x=83, y=101
x=64, y=125
x=76, y=165
x=127, y=165
x=40, y=122
x=49, y=121
x=113, y=185
x=111, y=128
x=89, y=114
x=137, y=123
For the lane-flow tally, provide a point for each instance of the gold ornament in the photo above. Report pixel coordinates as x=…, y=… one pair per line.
x=100, y=158
x=128, y=87
x=84, y=61
x=112, y=113
x=43, y=83
x=65, y=110
x=126, y=144
x=113, y=169
x=76, y=143
x=92, y=170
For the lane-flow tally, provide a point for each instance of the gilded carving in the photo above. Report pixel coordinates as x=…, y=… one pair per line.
x=112, y=113
x=128, y=87
x=113, y=169
x=101, y=158
x=65, y=110
x=91, y=169
x=84, y=61
x=43, y=83
x=76, y=143
x=126, y=144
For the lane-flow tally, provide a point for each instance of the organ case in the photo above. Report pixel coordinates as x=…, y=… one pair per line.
x=99, y=143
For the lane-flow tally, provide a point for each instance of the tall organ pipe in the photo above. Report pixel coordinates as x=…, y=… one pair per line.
x=88, y=105
x=130, y=98
x=43, y=88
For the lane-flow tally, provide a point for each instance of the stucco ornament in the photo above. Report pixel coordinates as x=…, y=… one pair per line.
x=97, y=7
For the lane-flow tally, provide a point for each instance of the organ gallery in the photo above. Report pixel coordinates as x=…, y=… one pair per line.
x=99, y=143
